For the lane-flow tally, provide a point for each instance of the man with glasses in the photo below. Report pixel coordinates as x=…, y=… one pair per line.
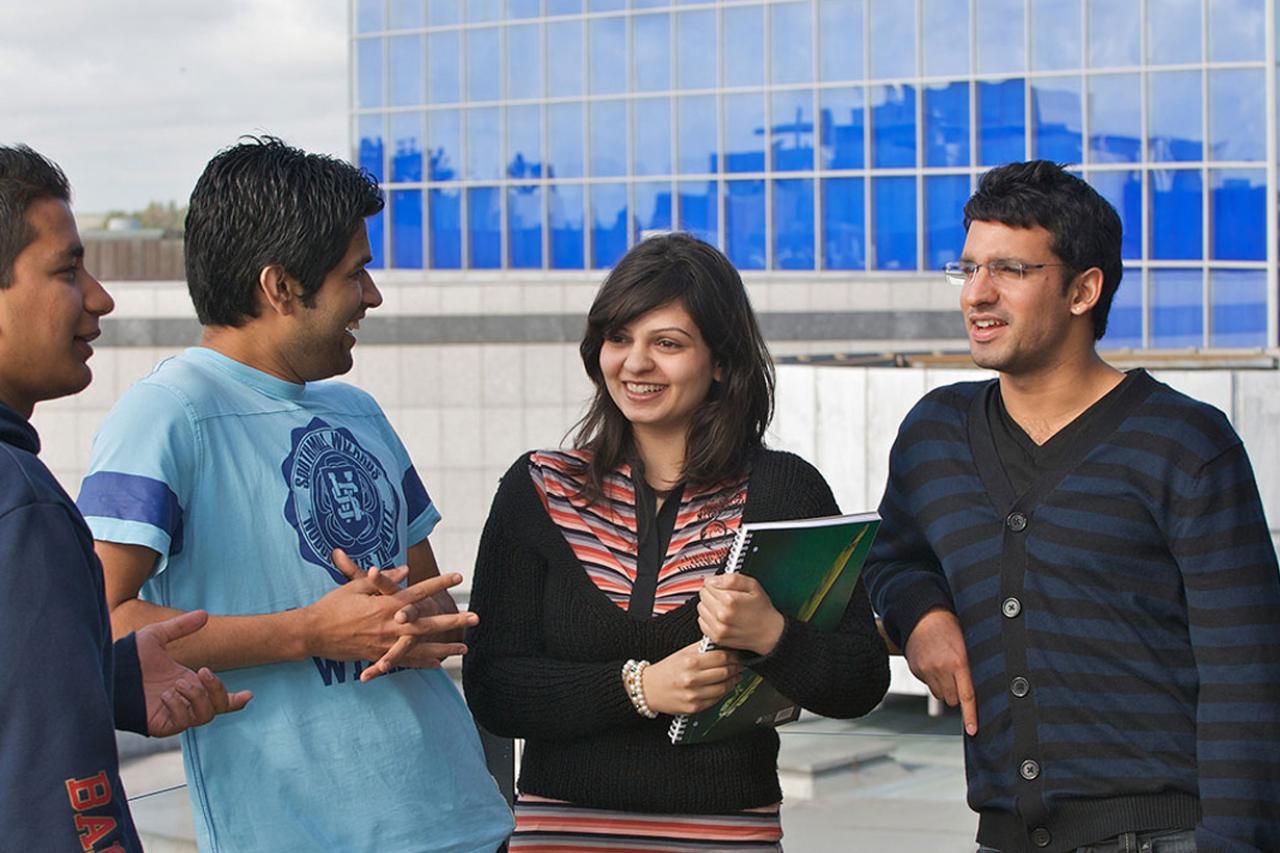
x=1078, y=557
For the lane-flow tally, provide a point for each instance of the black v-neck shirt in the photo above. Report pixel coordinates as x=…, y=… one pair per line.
x=654, y=527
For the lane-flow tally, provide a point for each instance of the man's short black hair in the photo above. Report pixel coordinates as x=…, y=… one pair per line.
x=1085, y=228
x=262, y=202
x=25, y=177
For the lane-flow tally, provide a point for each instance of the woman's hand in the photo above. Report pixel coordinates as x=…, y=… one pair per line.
x=687, y=681
x=736, y=613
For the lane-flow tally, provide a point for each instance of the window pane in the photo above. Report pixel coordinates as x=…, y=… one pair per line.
x=893, y=126
x=370, y=16
x=524, y=61
x=1238, y=223
x=652, y=133
x=564, y=59
x=893, y=211
x=407, y=137
x=407, y=71
x=482, y=10
x=606, y=5
x=1115, y=119
x=1114, y=28
x=369, y=85
x=1173, y=31
x=1124, y=320
x=1001, y=40
x=564, y=7
x=523, y=9
x=840, y=39
x=371, y=145
x=649, y=4
x=696, y=49
x=483, y=81
x=743, y=45
x=1174, y=116
x=696, y=139
x=652, y=55
x=1177, y=308
x=484, y=144
x=408, y=14
x=406, y=229
x=1176, y=228
x=608, y=224
x=524, y=142
x=1055, y=35
x=792, y=37
x=524, y=227
x=377, y=229
x=844, y=231
x=944, y=198
x=653, y=209
x=608, y=41
x=444, y=12
x=791, y=135
x=446, y=228
x=565, y=141
x=443, y=68
x=699, y=210
x=793, y=224
x=484, y=227
x=946, y=124
x=744, y=133
x=893, y=38
x=1057, y=122
x=608, y=138
x=445, y=132
x=566, y=223
x=744, y=224
x=1237, y=30
x=1237, y=114
x=1124, y=190
x=843, y=123
x=1239, y=308
x=1002, y=132
x=946, y=37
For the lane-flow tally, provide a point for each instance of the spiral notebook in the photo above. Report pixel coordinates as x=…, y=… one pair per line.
x=809, y=568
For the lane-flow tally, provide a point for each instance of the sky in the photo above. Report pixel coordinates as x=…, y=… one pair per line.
x=132, y=97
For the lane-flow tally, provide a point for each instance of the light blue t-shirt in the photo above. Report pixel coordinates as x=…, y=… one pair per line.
x=244, y=483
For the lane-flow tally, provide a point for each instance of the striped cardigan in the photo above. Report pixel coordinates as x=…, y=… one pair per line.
x=1122, y=619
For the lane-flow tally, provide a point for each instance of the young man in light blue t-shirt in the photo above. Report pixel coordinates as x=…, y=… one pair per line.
x=231, y=479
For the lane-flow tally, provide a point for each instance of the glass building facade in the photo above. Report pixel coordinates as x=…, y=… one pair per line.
x=829, y=136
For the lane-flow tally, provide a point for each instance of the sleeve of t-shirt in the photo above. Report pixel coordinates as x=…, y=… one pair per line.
x=420, y=509
x=140, y=472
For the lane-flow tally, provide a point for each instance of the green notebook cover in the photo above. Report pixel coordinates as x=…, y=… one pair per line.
x=809, y=568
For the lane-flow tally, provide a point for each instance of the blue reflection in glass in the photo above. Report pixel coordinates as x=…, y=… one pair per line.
x=792, y=33
x=944, y=198
x=743, y=45
x=1237, y=114
x=484, y=228
x=791, y=134
x=1057, y=121
x=407, y=139
x=843, y=128
x=840, y=39
x=697, y=56
x=444, y=129
x=1124, y=190
x=444, y=12
x=443, y=62
x=696, y=134
x=606, y=5
x=564, y=59
x=1173, y=31
x=446, y=228
x=608, y=224
x=406, y=72
x=946, y=124
x=524, y=227
x=369, y=63
x=652, y=212
x=744, y=133
x=484, y=83
x=608, y=48
x=893, y=126
x=370, y=17
x=652, y=136
x=371, y=145
x=700, y=210
x=376, y=226
x=1237, y=30
x=1114, y=30
x=608, y=138
x=524, y=61
x=893, y=214
x=1176, y=219
x=793, y=224
x=523, y=9
x=1124, y=320
x=844, y=224
x=1002, y=132
x=1174, y=125
x=893, y=39
x=946, y=37
x=652, y=55
x=524, y=142
x=1238, y=307
x=1177, y=308
x=406, y=229
x=1056, y=44
x=484, y=144
x=649, y=4
x=1001, y=43
x=564, y=7
x=408, y=14
x=566, y=157
x=744, y=230
x=1238, y=223
x=483, y=10
x=565, y=212
x=1115, y=118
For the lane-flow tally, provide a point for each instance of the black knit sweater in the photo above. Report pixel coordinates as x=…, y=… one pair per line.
x=545, y=663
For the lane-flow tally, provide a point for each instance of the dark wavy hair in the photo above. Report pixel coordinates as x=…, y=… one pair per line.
x=1085, y=228
x=730, y=423
x=25, y=178
x=263, y=202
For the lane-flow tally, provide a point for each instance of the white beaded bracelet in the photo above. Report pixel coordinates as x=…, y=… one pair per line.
x=633, y=681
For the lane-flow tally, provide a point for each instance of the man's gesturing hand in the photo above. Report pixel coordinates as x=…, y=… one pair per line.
x=176, y=697
x=936, y=654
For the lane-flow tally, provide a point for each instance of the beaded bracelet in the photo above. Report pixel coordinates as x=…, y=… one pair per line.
x=633, y=681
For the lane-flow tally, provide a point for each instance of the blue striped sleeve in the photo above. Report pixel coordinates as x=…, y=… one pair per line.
x=420, y=509
x=134, y=498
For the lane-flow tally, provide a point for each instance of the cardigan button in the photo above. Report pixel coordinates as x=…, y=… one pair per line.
x=1029, y=770
x=1040, y=837
x=1011, y=607
x=1017, y=522
x=1019, y=687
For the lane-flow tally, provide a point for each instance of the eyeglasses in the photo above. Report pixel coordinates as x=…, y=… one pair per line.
x=961, y=273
